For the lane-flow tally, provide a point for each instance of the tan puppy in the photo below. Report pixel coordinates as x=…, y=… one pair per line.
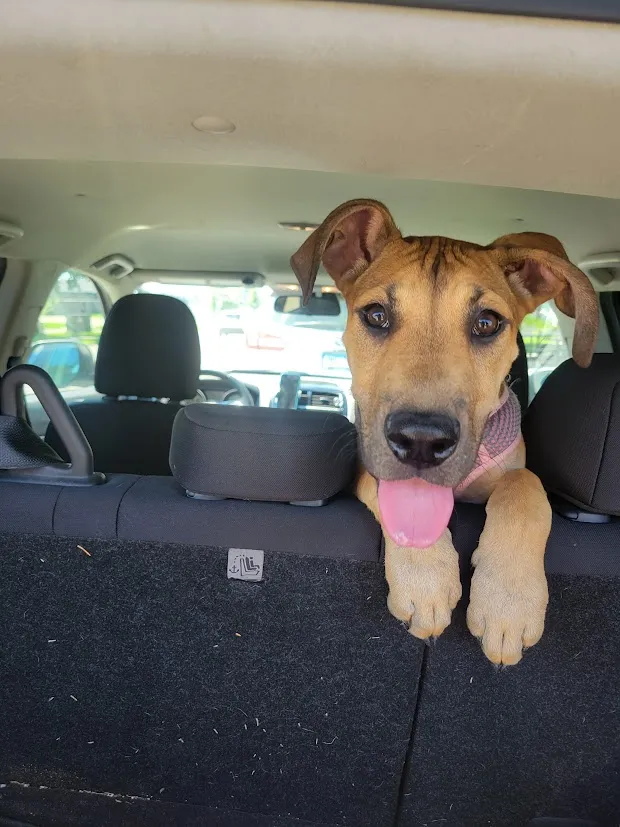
x=431, y=336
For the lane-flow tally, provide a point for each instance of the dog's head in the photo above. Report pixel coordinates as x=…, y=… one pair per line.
x=432, y=331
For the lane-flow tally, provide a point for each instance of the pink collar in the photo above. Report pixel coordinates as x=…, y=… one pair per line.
x=500, y=437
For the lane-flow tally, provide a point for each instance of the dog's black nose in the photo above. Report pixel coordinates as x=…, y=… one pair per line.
x=421, y=439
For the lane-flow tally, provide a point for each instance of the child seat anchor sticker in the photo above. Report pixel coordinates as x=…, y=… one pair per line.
x=245, y=564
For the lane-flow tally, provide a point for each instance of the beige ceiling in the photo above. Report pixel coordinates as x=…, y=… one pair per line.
x=330, y=101
x=313, y=85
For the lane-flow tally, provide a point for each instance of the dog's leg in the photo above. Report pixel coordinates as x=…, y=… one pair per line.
x=509, y=589
x=424, y=584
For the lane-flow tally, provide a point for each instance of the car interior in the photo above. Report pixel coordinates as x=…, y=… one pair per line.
x=192, y=601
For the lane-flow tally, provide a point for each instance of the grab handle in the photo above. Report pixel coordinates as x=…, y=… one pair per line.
x=81, y=470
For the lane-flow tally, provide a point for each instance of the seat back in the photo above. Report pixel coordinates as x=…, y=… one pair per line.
x=147, y=363
x=131, y=436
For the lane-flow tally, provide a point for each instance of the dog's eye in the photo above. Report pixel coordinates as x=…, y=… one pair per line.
x=488, y=323
x=376, y=316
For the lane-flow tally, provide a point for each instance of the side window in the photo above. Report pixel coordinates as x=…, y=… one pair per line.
x=66, y=340
x=545, y=344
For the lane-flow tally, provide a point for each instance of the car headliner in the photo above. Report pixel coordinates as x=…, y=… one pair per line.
x=330, y=101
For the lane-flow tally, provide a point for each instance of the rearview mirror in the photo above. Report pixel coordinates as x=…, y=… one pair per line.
x=325, y=304
x=67, y=362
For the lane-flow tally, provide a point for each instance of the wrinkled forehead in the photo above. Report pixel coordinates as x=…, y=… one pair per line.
x=423, y=274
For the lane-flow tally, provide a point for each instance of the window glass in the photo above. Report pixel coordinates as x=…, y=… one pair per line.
x=66, y=340
x=260, y=332
x=545, y=344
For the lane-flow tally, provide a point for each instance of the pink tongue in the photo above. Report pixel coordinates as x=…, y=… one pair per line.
x=413, y=512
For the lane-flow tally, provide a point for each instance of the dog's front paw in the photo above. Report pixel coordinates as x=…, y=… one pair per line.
x=424, y=589
x=507, y=611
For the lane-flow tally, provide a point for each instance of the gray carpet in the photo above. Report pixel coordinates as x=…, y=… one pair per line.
x=141, y=670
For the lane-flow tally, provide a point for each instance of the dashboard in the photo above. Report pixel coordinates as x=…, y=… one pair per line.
x=309, y=392
x=312, y=393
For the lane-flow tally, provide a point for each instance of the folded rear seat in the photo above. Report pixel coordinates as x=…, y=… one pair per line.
x=142, y=683
x=541, y=739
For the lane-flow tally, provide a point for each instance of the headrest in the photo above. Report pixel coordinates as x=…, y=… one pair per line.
x=267, y=454
x=572, y=434
x=149, y=347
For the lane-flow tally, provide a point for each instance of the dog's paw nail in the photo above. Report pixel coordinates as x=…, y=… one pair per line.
x=421, y=634
x=430, y=622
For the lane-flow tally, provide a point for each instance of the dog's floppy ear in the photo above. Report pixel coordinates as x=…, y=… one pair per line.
x=538, y=269
x=347, y=242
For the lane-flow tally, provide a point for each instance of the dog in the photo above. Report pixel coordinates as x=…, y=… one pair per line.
x=431, y=336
